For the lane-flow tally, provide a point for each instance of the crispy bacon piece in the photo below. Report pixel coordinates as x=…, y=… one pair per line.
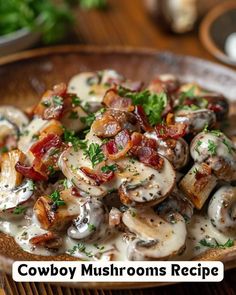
x=112, y=100
x=169, y=86
x=42, y=146
x=202, y=177
x=52, y=103
x=48, y=240
x=107, y=126
x=145, y=150
x=142, y=118
x=97, y=176
x=117, y=148
x=173, y=131
x=29, y=172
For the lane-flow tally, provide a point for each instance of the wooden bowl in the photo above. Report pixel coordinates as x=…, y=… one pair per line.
x=25, y=76
x=217, y=25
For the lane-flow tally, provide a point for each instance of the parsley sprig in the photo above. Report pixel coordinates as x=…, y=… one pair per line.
x=227, y=244
x=95, y=154
x=55, y=196
x=153, y=103
x=108, y=168
x=212, y=147
x=70, y=137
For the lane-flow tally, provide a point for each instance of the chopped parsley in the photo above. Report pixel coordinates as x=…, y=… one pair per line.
x=109, y=168
x=153, y=103
x=19, y=210
x=198, y=144
x=35, y=137
x=51, y=170
x=70, y=137
x=55, y=196
x=88, y=120
x=73, y=115
x=228, y=244
x=57, y=100
x=75, y=101
x=187, y=94
x=212, y=147
x=82, y=249
x=228, y=145
x=3, y=149
x=215, y=132
x=94, y=153
x=91, y=227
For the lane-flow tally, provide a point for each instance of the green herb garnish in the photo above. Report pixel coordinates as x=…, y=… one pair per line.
x=73, y=115
x=75, y=101
x=198, y=144
x=82, y=249
x=95, y=154
x=88, y=120
x=109, y=168
x=91, y=227
x=19, y=210
x=212, y=147
x=55, y=196
x=57, y=100
x=70, y=137
x=228, y=244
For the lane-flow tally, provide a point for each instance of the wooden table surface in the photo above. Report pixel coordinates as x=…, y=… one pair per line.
x=127, y=23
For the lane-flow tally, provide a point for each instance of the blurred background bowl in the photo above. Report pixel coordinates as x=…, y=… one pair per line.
x=19, y=40
x=218, y=32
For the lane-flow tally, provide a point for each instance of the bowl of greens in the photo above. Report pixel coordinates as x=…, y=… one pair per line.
x=23, y=23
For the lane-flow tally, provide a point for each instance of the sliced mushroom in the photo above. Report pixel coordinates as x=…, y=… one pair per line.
x=222, y=210
x=72, y=119
x=91, y=86
x=92, y=223
x=176, y=202
x=157, y=238
x=144, y=185
x=71, y=162
x=195, y=120
x=214, y=157
x=14, y=115
x=175, y=150
x=7, y=129
x=14, y=192
x=57, y=218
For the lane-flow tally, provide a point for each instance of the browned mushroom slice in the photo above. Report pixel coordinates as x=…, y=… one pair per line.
x=57, y=218
x=157, y=237
x=144, y=185
x=13, y=191
x=49, y=240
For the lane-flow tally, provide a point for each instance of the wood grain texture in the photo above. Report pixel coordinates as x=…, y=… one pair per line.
x=124, y=23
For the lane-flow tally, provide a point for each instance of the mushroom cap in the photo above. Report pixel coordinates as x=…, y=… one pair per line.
x=14, y=115
x=175, y=150
x=92, y=223
x=217, y=150
x=142, y=184
x=91, y=86
x=156, y=237
x=222, y=210
x=195, y=120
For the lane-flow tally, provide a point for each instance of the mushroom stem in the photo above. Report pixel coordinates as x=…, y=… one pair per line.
x=198, y=183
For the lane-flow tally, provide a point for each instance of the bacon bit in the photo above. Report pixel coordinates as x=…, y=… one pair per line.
x=174, y=131
x=47, y=107
x=97, y=176
x=110, y=147
x=75, y=192
x=107, y=126
x=111, y=99
x=142, y=118
x=202, y=177
x=169, y=86
x=29, y=172
x=118, y=148
x=41, y=147
x=139, y=139
x=170, y=119
x=48, y=240
x=123, y=195
x=149, y=157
